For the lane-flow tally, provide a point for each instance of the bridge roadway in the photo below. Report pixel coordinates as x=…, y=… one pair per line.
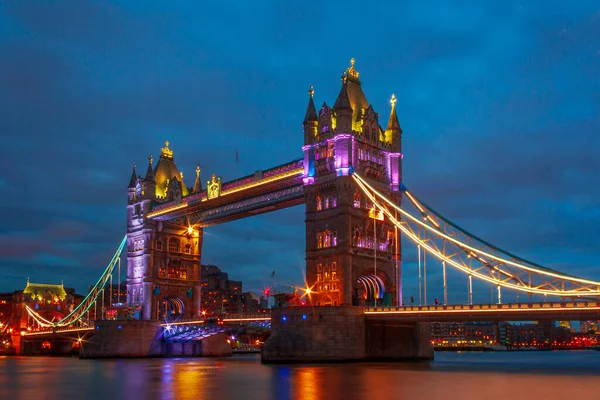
x=556, y=311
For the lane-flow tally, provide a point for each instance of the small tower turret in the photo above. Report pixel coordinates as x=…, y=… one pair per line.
x=343, y=109
x=198, y=183
x=393, y=132
x=149, y=181
x=132, y=184
x=310, y=118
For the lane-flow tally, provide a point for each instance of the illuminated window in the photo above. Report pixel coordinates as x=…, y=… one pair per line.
x=356, y=200
x=334, y=239
x=334, y=276
x=327, y=241
x=318, y=203
x=188, y=248
x=334, y=266
x=319, y=267
x=173, y=273
x=159, y=245
x=162, y=272
x=174, y=245
x=334, y=201
x=326, y=203
x=319, y=240
x=318, y=277
x=330, y=150
x=183, y=274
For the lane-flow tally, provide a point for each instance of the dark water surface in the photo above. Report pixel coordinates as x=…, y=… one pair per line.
x=481, y=376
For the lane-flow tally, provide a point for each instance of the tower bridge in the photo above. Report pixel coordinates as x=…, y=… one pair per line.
x=356, y=205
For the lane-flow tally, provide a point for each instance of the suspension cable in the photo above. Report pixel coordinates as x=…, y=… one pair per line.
x=367, y=189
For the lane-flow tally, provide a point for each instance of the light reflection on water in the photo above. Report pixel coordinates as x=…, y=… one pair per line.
x=526, y=375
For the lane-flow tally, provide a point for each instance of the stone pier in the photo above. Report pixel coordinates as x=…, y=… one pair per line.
x=136, y=339
x=338, y=334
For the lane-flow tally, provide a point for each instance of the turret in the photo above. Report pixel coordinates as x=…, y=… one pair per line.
x=393, y=136
x=343, y=109
x=310, y=119
x=393, y=132
x=198, y=183
x=132, y=184
x=149, y=180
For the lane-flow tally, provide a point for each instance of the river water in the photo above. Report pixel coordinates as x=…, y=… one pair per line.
x=482, y=376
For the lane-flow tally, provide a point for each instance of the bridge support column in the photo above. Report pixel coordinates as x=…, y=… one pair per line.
x=333, y=334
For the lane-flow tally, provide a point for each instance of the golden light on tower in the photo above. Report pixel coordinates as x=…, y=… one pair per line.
x=375, y=213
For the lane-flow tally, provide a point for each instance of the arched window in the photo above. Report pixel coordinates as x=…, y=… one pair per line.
x=319, y=203
x=327, y=241
x=326, y=202
x=356, y=200
x=188, y=248
x=174, y=245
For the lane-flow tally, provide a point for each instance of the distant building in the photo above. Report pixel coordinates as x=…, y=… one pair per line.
x=264, y=302
x=481, y=331
x=565, y=324
x=219, y=294
x=250, y=303
x=451, y=331
x=51, y=302
x=588, y=326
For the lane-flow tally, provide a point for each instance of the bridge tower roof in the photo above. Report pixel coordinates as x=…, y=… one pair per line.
x=351, y=95
x=166, y=171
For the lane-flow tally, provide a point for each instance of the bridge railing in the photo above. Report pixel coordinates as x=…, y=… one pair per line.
x=487, y=307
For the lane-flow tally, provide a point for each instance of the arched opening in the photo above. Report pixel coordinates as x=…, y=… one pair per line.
x=370, y=289
x=170, y=308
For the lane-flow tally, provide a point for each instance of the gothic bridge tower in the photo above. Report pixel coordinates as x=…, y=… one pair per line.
x=163, y=258
x=350, y=258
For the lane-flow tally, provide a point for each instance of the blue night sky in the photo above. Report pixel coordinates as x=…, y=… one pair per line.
x=498, y=101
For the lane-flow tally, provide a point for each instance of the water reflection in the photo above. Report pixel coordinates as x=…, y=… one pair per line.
x=453, y=375
x=307, y=384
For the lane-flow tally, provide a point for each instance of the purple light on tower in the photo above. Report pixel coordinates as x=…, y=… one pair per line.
x=344, y=144
x=394, y=160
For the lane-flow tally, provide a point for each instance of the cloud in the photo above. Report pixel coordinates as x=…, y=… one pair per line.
x=498, y=103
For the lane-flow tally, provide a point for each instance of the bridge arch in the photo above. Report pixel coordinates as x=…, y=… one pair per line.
x=171, y=308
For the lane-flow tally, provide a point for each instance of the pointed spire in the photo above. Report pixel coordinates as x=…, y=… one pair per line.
x=351, y=72
x=311, y=112
x=150, y=171
x=133, y=177
x=393, y=123
x=198, y=183
x=343, y=102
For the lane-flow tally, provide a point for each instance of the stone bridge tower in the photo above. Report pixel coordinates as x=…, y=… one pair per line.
x=163, y=258
x=350, y=258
